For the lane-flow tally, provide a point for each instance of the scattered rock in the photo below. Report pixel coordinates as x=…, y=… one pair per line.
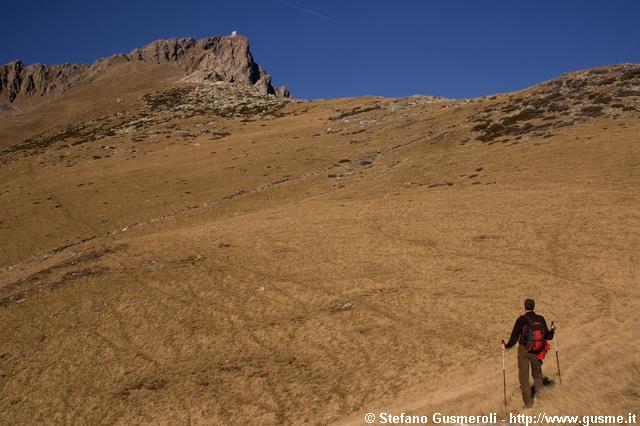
x=341, y=305
x=98, y=306
x=155, y=266
x=561, y=102
x=221, y=99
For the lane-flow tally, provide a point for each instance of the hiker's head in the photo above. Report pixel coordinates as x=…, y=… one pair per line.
x=529, y=304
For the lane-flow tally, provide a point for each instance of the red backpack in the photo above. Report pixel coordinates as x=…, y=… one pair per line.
x=533, y=337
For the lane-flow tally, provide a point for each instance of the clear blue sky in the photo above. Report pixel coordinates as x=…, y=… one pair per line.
x=338, y=48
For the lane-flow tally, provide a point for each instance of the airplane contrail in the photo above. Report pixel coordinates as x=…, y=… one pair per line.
x=302, y=9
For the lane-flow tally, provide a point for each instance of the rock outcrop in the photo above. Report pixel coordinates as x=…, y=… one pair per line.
x=211, y=59
x=18, y=80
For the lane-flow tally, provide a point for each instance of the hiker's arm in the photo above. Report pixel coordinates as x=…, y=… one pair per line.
x=515, y=334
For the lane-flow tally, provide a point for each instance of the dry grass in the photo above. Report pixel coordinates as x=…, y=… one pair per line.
x=217, y=284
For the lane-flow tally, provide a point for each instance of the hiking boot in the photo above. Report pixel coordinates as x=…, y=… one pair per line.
x=533, y=393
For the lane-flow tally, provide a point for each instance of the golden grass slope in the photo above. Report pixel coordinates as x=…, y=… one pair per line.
x=309, y=262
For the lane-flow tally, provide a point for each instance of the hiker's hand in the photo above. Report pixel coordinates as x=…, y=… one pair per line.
x=553, y=326
x=502, y=345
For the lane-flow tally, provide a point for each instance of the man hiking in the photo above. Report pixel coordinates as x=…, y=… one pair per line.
x=532, y=334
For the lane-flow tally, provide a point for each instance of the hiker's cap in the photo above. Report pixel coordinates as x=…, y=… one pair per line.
x=529, y=304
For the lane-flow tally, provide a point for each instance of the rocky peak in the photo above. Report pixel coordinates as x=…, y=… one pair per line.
x=226, y=59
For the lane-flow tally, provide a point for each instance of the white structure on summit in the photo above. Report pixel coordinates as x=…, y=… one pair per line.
x=234, y=33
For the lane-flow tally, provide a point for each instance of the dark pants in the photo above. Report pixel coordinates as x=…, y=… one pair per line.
x=524, y=360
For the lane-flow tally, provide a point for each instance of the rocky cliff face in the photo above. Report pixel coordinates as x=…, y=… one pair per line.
x=212, y=59
x=18, y=80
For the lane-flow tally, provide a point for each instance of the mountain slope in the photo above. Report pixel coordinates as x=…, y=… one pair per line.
x=201, y=252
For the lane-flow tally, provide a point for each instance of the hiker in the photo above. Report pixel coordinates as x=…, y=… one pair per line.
x=532, y=334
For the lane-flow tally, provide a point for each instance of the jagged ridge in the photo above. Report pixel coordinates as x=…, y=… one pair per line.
x=211, y=59
x=18, y=80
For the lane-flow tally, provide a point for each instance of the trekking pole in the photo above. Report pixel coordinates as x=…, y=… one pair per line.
x=504, y=376
x=555, y=346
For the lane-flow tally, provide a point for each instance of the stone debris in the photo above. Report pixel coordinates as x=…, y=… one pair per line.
x=341, y=306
